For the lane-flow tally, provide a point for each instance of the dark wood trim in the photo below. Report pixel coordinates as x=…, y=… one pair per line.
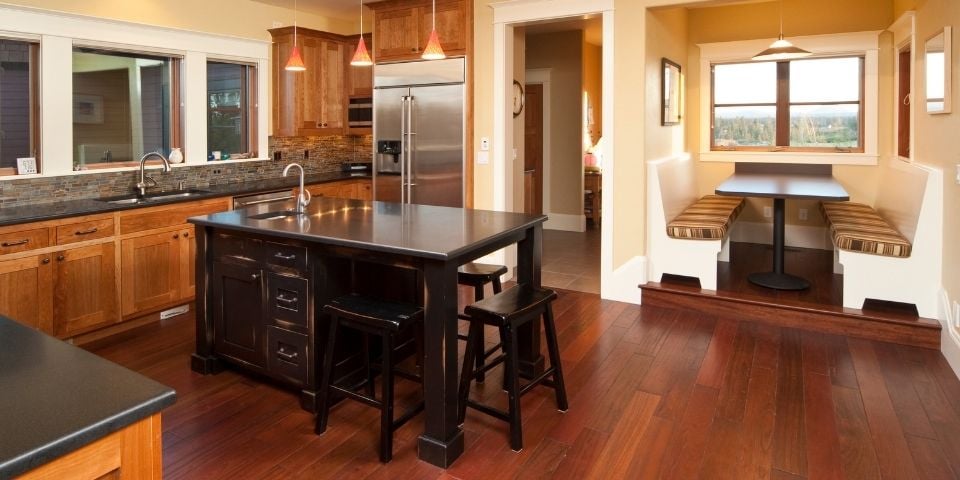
x=783, y=105
x=176, y=100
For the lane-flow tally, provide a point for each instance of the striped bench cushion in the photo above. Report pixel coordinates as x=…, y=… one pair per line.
x=859, y=228
x=707, y=219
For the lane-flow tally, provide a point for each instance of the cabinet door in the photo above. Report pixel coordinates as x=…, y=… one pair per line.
x=451, y=26
x=237, y=303
x=188, y=264
x=365, y=190
x=85, y=289
x=287, y=114
x=26, y=291
x=331, y=85
x=311, y=96
x=397, y=33
x=348, y=190
x=359, y=79
x=149, y=271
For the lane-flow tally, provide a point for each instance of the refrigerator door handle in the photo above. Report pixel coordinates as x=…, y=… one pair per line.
x=411, y=103
x=403, y=148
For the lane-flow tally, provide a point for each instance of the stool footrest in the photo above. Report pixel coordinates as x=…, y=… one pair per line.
x=493, y=412
x=541, y=379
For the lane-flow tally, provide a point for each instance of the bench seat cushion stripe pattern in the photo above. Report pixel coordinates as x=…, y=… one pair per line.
x=707, y=219
x=859, y=228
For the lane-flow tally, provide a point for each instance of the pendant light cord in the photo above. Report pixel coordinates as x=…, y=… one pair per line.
x=434, y=26
x=361, y=18
x=294, y=23
x=781, y=19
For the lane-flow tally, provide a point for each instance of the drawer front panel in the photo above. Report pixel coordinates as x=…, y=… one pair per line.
x=287, y=354
x=152, y=218
x=288, y=301
x=83, y=231
x=288, y=256
x=24, y=240
x=230, y=246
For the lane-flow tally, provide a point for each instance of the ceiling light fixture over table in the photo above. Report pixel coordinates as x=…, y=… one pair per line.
x=361, y=58
x=781, y=49
x=295, y=62
x=433, y=50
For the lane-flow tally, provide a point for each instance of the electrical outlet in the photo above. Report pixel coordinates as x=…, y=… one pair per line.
x=767, y=212
x=803, y=214
x=217, y=171
x=277, y=24
x=306, y=153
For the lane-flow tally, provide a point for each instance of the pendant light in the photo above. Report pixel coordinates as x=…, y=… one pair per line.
x=781, y=49
x=361, y=58
x=295, y=62
x=433, y=51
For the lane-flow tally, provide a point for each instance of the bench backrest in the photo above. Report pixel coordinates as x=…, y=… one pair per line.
x=678, y=184
x=900, y=197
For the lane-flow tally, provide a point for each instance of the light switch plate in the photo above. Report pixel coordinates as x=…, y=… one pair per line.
x=484, y=144
x=767, y=212
x=803, y=214
x=957, y=178
x=483, y=158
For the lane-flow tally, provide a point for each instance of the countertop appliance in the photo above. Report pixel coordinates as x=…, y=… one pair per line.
x=418, y=132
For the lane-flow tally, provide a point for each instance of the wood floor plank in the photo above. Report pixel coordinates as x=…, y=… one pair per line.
x=733, y=392
x=650, y=333
x=856, y=448
x=820, y=426
x=789, y=436
x=758, y=424
x=622, y=446
x=653, y=449
x=893, y=453
x=929, y=458
x=609, y=411
x=903, y=395
x=685, y=455
x=718, y=354
x=583, y=454
x=722, y=458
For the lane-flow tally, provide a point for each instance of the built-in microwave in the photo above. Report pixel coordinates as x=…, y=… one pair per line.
x=360, y=112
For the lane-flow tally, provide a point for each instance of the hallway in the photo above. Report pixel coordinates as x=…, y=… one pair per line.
x=571, y=260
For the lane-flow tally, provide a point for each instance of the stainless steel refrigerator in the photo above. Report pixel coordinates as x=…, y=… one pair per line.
x=418, y=132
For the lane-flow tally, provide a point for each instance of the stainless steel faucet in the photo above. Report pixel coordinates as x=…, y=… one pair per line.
x=142, y=185
x=303, y=198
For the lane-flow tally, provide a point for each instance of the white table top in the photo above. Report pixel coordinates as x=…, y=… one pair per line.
x=778, y=185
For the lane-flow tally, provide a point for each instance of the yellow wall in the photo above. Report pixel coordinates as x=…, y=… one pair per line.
x=240, y=18
x=561, y=53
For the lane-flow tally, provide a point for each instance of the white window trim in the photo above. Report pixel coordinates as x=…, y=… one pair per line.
x=59, y=32
x=857, y=43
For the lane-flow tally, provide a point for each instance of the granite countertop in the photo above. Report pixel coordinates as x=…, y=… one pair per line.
x=419, y=230
x=73, y=208
x=57, y=398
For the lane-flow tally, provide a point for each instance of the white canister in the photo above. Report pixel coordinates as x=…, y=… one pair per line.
x=176, y=156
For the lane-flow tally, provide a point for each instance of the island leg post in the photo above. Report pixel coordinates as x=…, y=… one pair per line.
x=529, y=252
x=203, y=360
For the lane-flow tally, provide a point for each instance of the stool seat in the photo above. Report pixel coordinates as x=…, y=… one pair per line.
x=474, y=274
x=515, y=302
x=374, y=313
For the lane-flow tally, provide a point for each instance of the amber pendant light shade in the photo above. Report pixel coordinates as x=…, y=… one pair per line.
x=295, y=62
x=361, y=58
x=433, y=50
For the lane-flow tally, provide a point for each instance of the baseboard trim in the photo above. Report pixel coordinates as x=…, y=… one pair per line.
x=565, y=222
x=794, y=235
x=950, y=336
x=624, y=282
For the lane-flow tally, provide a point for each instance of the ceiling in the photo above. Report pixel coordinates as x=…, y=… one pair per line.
x=341, y=9
x=592, y=27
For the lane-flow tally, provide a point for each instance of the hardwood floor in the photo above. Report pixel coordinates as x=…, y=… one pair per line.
x=654, y=393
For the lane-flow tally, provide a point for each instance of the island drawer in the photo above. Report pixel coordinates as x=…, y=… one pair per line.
x=90, y=229
x=236, y=247
x=287, y=355
x=288, y=301
x=288, y=256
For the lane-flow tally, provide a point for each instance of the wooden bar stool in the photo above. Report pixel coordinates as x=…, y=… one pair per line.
x=478, y=275
x=372, y=317
x=508, y=311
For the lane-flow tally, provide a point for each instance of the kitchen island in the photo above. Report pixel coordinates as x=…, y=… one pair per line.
x=67, y=413
x=263, y=274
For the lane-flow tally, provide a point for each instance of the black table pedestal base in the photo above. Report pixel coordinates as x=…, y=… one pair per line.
x=778, y=281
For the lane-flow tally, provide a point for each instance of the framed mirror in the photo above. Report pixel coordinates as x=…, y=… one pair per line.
x=937, y=72
x=670, y=90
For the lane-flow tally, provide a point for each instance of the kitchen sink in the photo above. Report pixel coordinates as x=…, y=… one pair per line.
x=133, y=199
x=274, y=215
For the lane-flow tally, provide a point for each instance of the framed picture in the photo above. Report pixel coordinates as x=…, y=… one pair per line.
x=26, y=165
x=87, y=108
x=670, y=89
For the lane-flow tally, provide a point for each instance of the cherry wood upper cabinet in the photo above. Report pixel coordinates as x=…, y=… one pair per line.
x=401, y=28
x=359, y=79
x=312, y=102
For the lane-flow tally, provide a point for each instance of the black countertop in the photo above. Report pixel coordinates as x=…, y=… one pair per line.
x=73, y=208
x=55, y=398
x=417, y=230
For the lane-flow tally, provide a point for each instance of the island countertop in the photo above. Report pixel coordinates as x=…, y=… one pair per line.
x=57, y=398
x=417, y=230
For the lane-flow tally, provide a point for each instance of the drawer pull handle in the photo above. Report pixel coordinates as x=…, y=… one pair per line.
x=288, y=301
x=288, y=356
x=14, y=244
x=285, y=257
x=86, y=232
x=176, y=236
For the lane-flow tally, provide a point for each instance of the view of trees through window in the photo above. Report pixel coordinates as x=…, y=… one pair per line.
x=822, y=107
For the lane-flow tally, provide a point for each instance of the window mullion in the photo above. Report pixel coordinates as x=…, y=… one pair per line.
x=783, y=104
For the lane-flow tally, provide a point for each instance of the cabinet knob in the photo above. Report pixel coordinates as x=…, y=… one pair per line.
x=186, y=234
x=413, y=49
x=255, y=276
x=176, y=235
x=60, y=258
x=45, y=261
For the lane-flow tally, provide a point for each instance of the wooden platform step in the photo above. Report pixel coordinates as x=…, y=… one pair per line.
x=874, y=325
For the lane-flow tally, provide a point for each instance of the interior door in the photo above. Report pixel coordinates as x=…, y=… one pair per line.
x=533, y=148
x=387, y=114
x=437, y=161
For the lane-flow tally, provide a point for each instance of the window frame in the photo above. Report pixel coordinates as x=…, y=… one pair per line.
x=864, y=44
x=35, y=141
x=782, y=104
x=176, y=98
x=252, y=98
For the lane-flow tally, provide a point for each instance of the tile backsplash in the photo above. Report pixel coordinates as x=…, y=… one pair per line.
x=326, y=154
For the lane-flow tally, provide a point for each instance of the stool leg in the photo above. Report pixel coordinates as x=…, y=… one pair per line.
x=371, y=378
x=481, y=344
x=386, y=400
x=497, y=287
x=323, y=403
x=466, y=375
x=513, y=389
x=554, y=351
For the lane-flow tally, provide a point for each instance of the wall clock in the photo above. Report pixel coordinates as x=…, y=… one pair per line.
x=518, y=99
